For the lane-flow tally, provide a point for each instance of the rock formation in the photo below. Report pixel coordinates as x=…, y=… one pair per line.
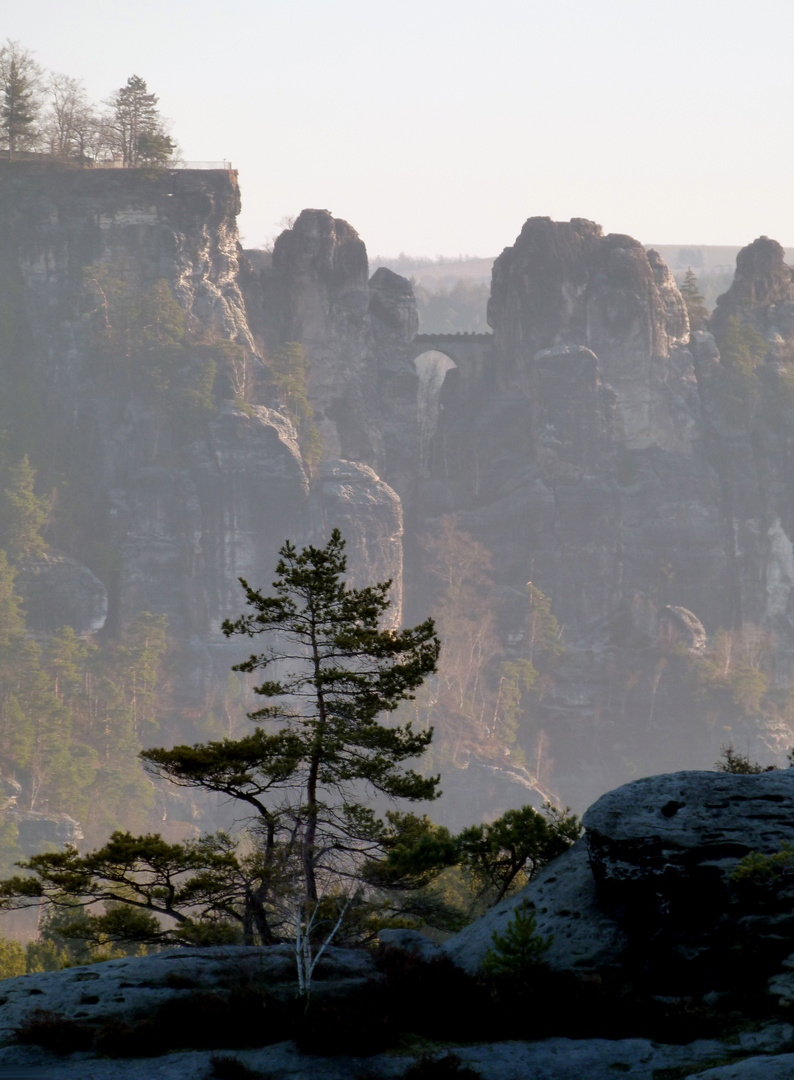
x=650, y=891
x=762, y=291
x=186, y=504
x=316, y=294
x=626, y=473
x=661, y=963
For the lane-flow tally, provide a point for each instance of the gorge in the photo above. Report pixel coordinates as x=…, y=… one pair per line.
x=597, y=507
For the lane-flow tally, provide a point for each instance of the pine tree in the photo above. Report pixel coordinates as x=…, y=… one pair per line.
x=137, y=126
x=332, y=671
x=695, y=304
x=521, y=948
x=25, y=512
x=20, y=78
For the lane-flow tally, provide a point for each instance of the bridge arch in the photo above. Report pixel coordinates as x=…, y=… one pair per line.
x=435, y=356
x=432, y=367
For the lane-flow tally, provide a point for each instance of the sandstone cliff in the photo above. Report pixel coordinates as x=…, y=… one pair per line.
x=133, y=383
x=609, y=499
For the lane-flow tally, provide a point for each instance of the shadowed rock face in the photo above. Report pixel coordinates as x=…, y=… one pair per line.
x=316, y=293
x=166, y=503
x=762, y=288
x=648, y=889
x=568, y=284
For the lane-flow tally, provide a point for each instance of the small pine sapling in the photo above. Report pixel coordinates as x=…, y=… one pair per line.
x=519, y=949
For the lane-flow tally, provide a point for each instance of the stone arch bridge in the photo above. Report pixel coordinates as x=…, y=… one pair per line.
x=472, y=354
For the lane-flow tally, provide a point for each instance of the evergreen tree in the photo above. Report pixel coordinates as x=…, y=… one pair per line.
x=136, y=125
x=331, y=672
x=512, y=849
x=20, y=78
x=515, y=953
x=25, y=512
x=695, y=304
x=742, y=349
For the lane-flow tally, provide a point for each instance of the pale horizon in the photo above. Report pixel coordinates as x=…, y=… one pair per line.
x=438, y=128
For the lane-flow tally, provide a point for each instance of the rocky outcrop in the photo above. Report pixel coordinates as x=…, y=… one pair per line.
x=168, y=500
x=649, y=890
x=588, y=445
x=59, y=591
x=648, y=929
x=762, y=291
x=368, y=513
x=568, y=284
x=316, y=293
x=43, y=832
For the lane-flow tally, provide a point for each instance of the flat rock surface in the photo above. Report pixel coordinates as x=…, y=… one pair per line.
x=134, y=986
x=549, y=1059
x=677, y=823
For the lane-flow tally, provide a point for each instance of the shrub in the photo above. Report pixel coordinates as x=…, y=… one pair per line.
x=520, y=949
x=53, y=1031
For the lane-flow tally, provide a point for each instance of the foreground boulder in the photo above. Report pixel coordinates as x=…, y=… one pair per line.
x=662, y=963
x=650, y=891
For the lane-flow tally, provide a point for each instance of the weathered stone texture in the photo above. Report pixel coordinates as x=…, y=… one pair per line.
x=568, y=284
x=316, y=293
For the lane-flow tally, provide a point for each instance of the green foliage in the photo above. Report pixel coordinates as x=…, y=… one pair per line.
x=197, y=389
x=515, y=953
x=289, y=371
x=200, y=886
x=20, y=78
x=695, y=305
x=136, y=125
x=24, y=513
x=483, y=700
x=742, y=349
x=510, y=851
x=731, y=679
x=404, y=889
x=12, y=959
x=73, y=718
x=748, y=686
x=336, y=672
x=141, y=339
x=154, y=148
x=732, y=761
x=429, y=878
x=759, y=868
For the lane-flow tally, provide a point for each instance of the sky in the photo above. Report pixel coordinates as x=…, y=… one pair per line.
x=437, y=127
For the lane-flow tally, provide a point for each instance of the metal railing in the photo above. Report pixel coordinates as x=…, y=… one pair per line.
x=224, y=166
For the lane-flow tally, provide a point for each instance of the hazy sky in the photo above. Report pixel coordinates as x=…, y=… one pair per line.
x=438, y=126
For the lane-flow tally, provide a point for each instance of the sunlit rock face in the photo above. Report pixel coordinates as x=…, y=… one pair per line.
x=568, y=284
x=368, y=513
x=316, y=293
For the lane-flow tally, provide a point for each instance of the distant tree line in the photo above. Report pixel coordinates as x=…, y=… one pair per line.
x=48, y=112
